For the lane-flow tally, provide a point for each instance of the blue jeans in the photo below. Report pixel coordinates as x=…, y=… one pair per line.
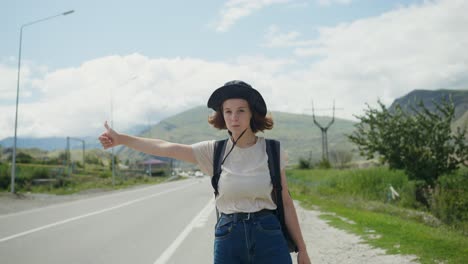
x=256, y=240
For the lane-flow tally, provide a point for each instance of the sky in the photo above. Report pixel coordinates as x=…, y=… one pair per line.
x=137, y=62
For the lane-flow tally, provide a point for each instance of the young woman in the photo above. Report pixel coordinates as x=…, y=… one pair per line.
x=247, y=231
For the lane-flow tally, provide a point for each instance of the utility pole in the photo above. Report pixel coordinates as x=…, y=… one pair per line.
x=324, y=130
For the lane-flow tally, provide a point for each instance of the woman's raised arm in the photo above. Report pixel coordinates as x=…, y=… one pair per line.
x=110, y=138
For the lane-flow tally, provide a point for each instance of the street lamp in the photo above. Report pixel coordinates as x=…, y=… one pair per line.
x=112, y=121
x=13, y=163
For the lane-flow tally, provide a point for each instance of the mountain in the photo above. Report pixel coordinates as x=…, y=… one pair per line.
x=297, y=133
x=50, y=143
x=458, y=97
x=60, y=143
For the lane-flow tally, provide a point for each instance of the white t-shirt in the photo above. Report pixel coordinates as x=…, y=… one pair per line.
x=245, y=183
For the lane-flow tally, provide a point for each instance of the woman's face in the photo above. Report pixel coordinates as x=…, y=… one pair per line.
x=237, y=115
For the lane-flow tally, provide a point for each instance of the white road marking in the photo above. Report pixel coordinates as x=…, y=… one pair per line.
x=201, y=218
x=91, y=214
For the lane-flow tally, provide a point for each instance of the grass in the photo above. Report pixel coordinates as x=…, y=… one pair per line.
x=53, y=179
x=384, y=225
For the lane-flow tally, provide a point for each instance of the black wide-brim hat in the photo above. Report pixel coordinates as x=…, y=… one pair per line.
x=237, y=89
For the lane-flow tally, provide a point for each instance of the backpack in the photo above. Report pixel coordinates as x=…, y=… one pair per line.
x=273, y=152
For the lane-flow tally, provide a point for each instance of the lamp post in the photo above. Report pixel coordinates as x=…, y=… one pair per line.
x=112, y=122
x=13, y=163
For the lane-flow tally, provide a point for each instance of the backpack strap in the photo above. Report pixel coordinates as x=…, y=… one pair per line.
x=219, y=147
x=273, y=152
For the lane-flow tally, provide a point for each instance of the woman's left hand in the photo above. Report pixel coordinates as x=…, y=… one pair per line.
x=303, y=257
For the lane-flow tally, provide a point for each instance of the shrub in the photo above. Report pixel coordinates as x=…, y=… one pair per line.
x=408, y=197
x=450, y=199
x=105, y=174
x=5, y=176
x=62, y=181
x=304, y=164
x=92, y=159
x=40, y=173
x=324, y=164
x=23, y=158
x=25, y=175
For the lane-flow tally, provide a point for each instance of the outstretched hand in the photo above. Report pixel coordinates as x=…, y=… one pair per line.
x=109, y=138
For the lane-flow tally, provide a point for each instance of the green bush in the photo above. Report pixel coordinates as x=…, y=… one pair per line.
x=450, y=199
x=92, y=159
x=40, y=173
x=62, y=181
x=158, y=173
x=304, y=164
x=25, y=175
x=5, y=176
x=324, y=164
x=23, y=158
x=105, y=174
x=408, y=197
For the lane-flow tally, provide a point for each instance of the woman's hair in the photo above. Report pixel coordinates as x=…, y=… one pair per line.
x=257, y=123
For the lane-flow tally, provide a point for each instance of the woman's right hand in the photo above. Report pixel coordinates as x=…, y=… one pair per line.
x=109, y=138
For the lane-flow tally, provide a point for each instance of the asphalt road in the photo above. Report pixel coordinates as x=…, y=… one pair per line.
x=166, y=223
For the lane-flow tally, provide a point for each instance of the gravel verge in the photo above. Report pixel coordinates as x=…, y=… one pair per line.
x=329, y=245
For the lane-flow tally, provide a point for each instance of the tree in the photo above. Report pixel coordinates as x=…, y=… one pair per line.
x=413, y=139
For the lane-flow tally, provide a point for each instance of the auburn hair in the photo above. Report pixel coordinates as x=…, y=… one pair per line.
x=257, y=122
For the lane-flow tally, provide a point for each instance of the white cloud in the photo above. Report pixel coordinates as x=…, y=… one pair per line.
x=417, y=47
x=330, y=2
x=7, y=82
x=76, y=101
x=234, y=10
x=276, y=39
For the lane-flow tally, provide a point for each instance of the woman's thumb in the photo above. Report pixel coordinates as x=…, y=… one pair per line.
x=106, y=126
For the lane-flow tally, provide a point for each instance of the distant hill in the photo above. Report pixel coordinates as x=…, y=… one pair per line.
x=50, y=143
x=459, y=99
x=297, y=133
x=60, y=143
